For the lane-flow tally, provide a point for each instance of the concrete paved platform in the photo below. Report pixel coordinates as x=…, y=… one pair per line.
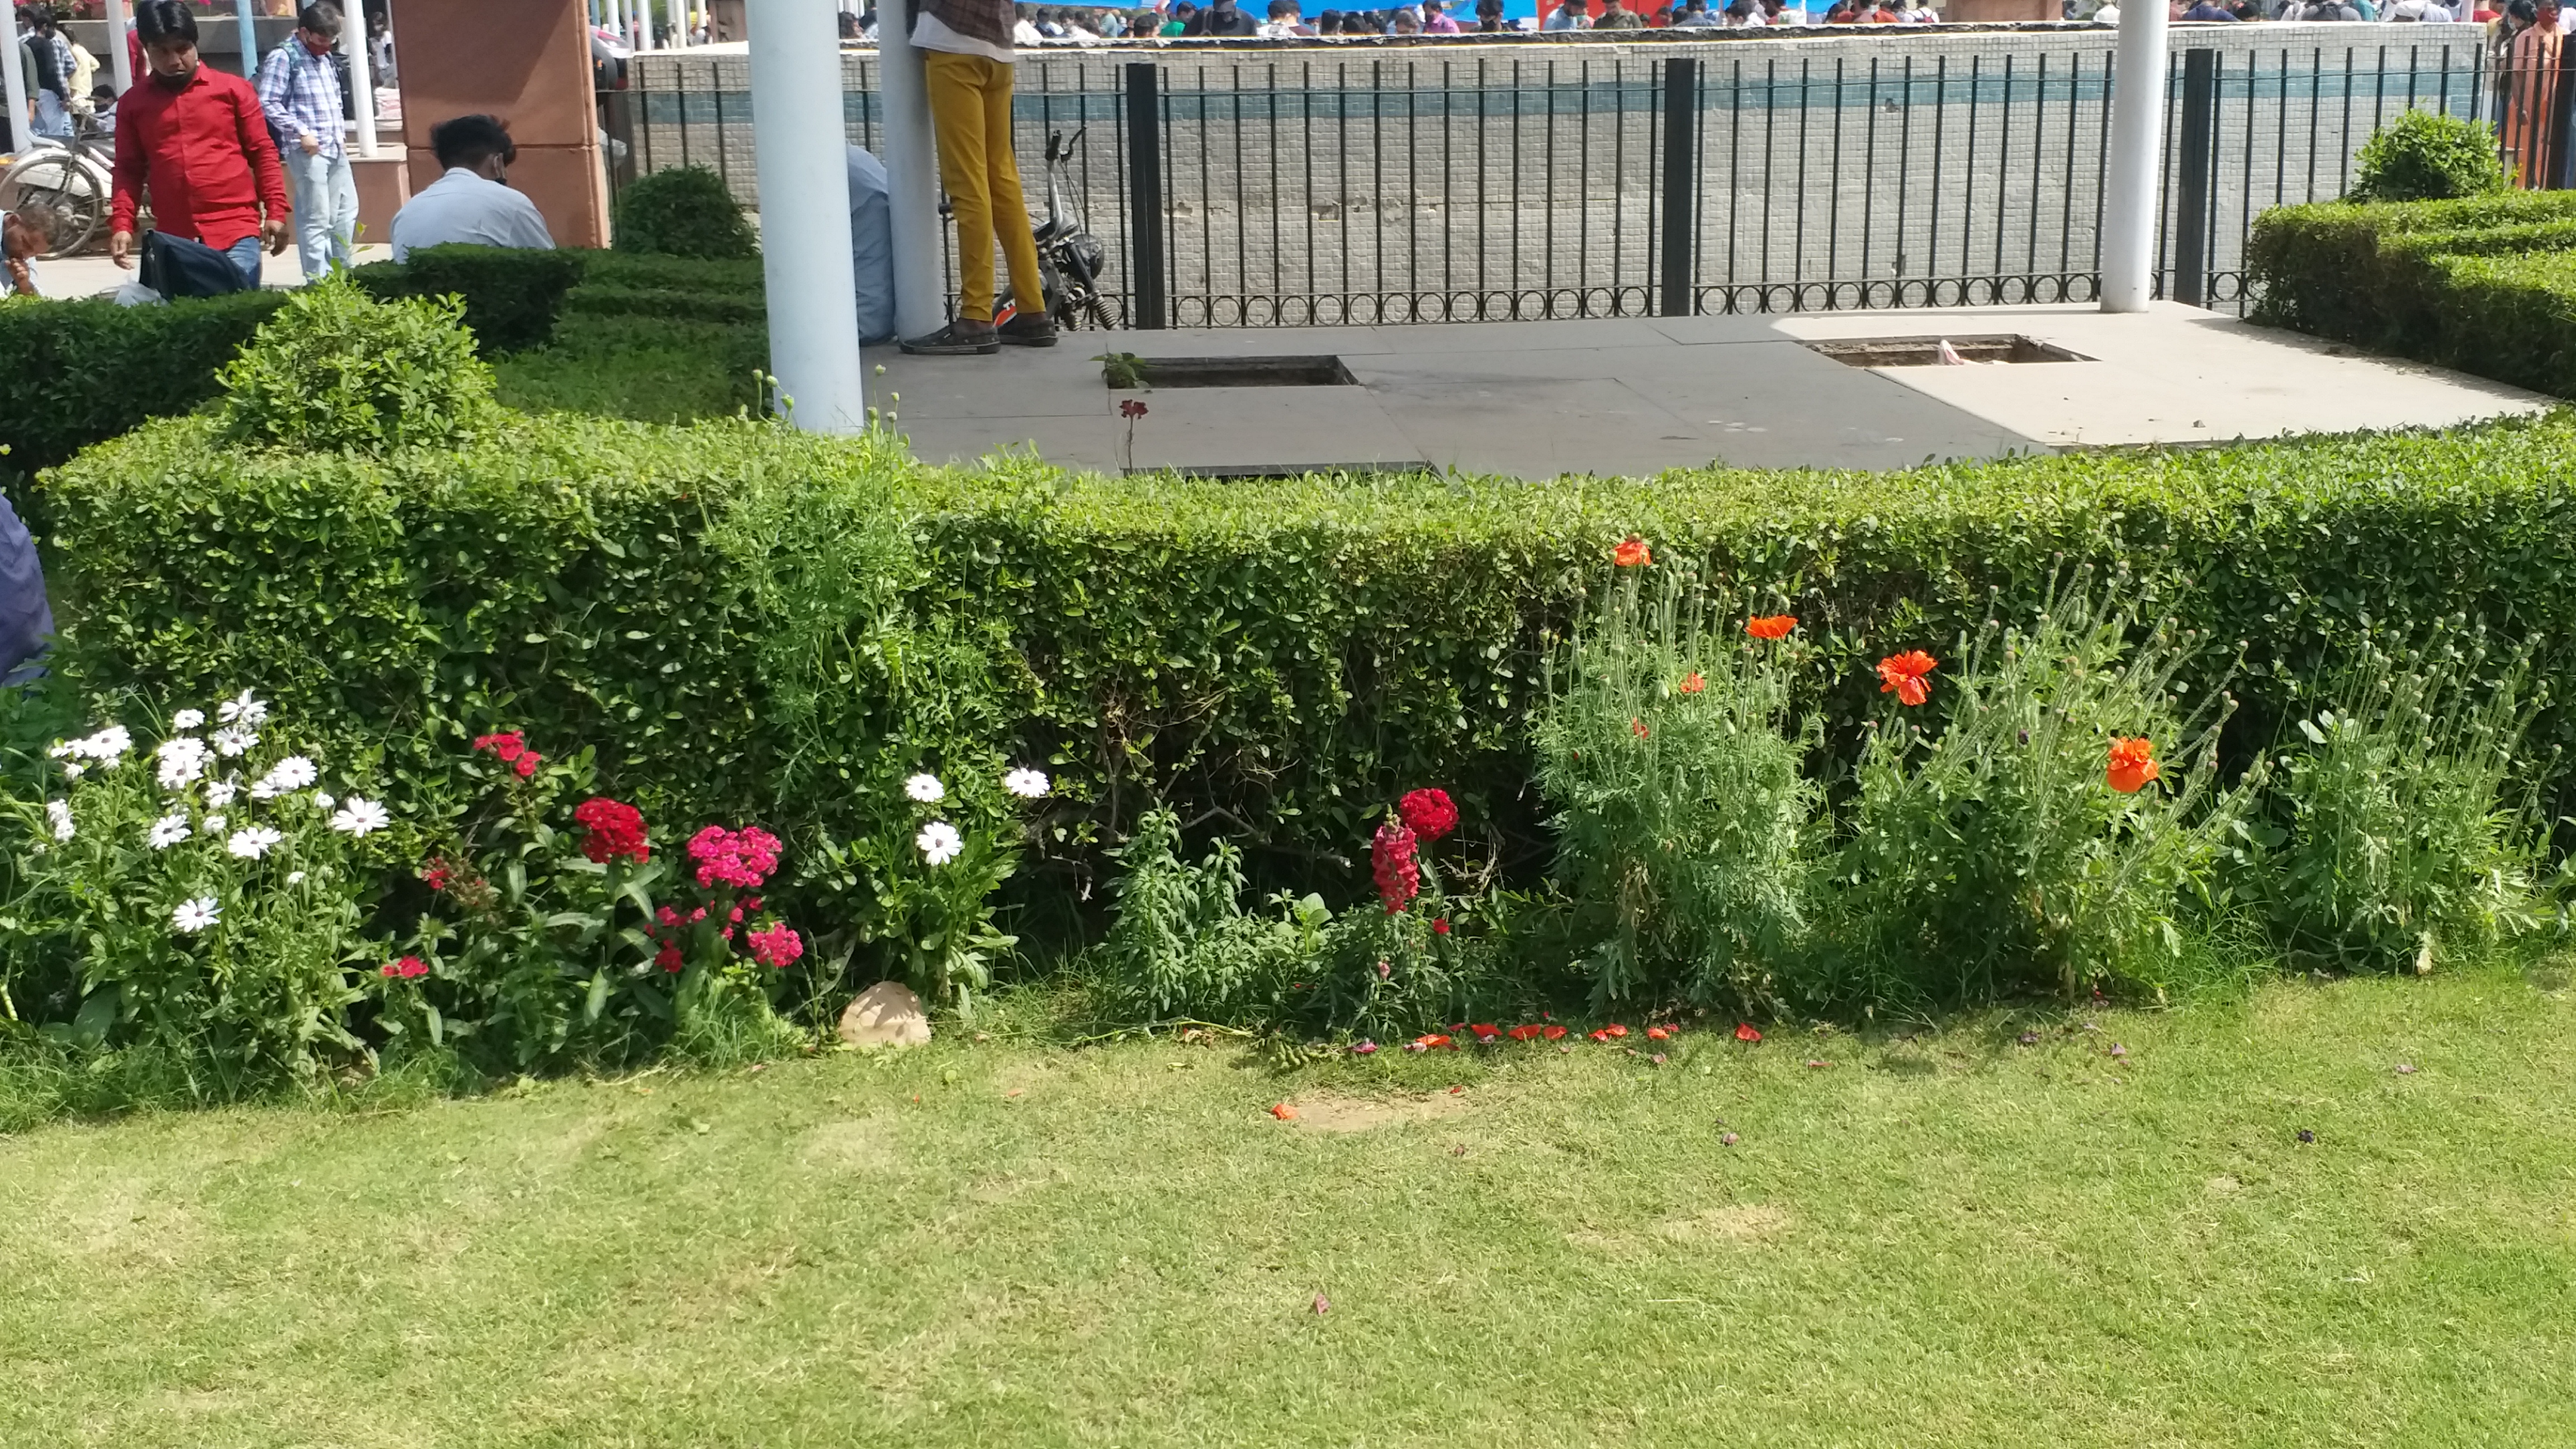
x=96, y=275
x=1621, y=396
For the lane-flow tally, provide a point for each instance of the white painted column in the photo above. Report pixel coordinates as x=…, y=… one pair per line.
x=2136, y=164
x=805, y=212
x=247, y=27
x=120, y=64
x=362, y=81
x=912, y=177
x=678, y=10
x=20, y=133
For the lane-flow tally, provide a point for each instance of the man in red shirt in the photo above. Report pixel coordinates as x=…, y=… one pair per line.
x=198, y=139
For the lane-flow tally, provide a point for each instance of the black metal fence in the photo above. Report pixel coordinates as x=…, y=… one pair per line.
x=1366, y=183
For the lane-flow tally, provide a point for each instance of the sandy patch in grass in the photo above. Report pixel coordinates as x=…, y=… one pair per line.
x=1362, y=1114
x=860, y=1145
x=1733, y=1223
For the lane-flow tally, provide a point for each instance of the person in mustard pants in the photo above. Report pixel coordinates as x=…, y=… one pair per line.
x=967, y=55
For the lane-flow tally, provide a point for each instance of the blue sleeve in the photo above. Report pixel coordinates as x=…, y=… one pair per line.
x=26, y=620
x=872, y=247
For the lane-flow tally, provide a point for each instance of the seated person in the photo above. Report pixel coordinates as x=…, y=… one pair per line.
x=470, y=203
x=872, y=246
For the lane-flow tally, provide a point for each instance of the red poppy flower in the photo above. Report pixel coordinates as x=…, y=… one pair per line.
x=1486, y=1031
x=1638, y=728
x=1656, y=1033
x=1693, y=682
x=2133, y=766
x=1632, y=553
x=1771, y=626
x=1744, y=1032
x=1598, y=1035
x=1284, y=1112
x=1905, y=676
x=1614, y=1030
x=1428, y=1040
x=1526, y=1033
x=1552, y=1032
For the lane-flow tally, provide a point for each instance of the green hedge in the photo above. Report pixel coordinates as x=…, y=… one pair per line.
x=1284, y=656
x=2372, y=275
x=512, y=295
x=79, y=371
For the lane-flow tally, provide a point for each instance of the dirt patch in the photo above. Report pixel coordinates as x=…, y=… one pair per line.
x=1733, y=1223
x=860, y=1145
x=1361, y=1114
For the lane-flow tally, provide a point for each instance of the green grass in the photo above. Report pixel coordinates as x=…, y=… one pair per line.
x=1950, y=1239
x=649, y=369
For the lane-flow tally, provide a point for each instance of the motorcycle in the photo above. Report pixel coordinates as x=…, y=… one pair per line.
x=1070, y=258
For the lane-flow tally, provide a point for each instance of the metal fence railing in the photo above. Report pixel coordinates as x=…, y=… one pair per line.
x=1542, y=177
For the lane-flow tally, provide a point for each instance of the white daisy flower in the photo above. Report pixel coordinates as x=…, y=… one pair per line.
x=196, y=915
x=103, y=749
x=939, y=842
x=1027, y=784
x=168, y=831
x=926, y=789
x=213, y=825
x=322, y=800
x=295, y=878
x=361, y=816
x=243, y=711
x=60, y=812
x=187, y=719
x=235, y=740
x=252, y=842
x=183, y=760
x=285, y=777
x=74, y=771
x=220, y=793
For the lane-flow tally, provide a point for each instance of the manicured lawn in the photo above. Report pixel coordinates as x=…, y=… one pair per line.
x=1948, y=1239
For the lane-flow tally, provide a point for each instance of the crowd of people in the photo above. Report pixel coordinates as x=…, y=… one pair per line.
x=1045, y=25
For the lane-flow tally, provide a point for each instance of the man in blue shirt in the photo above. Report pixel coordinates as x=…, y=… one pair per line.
x=872, y=247
x=299, y=87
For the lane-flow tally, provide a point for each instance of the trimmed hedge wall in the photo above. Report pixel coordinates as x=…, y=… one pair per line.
x=1290, y=654
x=2383, y=277
x=512, y=295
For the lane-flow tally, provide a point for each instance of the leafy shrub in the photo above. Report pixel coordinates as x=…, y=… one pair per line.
x=198, y=896
x=2395, y=842
x=2512, y=318
x=512, y=295
x=1182, y=946
x=81, y=372
x=685, y=211
x=1671, y=758
x=2033, y=843
x=2428, y=156
x=335, y=370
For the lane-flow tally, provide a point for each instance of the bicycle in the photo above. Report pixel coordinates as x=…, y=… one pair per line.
x=63, y=188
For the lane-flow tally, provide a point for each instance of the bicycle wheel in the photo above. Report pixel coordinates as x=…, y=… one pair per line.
x=59, y=197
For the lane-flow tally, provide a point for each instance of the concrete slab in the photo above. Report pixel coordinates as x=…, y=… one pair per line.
x=1614, y=396
x=95, y=276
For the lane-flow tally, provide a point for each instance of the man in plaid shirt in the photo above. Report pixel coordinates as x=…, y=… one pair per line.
x=299, y=87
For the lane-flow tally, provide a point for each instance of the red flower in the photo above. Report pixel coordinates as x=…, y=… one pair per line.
x=777, y=946
x=668, y=958
x=1744, y=1032
x=508, y=745
x=1131, y=408
x=740, y=858
x=1632, y=554
x=1693, y=682
x=1391, y=863
x=1428, y=813
x=667, y=916
x=1905, y=676
x=615, y=831
x=1280, y=1110
x=1526, y=1033
x=1599, y=1035
x=1770, y=626
x=2133, y=766
x=409, y=968
x=736, y=917
x=1552, y=1032
x=1656, y=1033
x=1614, y=1029
x=438, y=874
x=1429, y=1040
x=1638, y=728
x=1486, y=1031
x=1440, y=927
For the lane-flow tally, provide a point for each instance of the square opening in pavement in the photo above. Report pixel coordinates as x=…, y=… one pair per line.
x=1233, y=372
x=1926, y=351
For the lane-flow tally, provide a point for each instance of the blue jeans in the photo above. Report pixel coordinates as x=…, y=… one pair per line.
x=325, y=191
x=244, y=255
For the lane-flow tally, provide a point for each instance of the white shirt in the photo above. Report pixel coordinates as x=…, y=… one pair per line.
x=930, y=33
x=463, y=207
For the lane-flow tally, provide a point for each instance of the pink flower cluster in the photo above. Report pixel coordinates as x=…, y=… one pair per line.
x=777, y=946
x=1399, y=879
x=409, y=968
x=510, y=747
x=739, y=858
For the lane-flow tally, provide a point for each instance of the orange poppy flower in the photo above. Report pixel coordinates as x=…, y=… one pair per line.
x=1744, y=1032
x=1638, y=728
x=1284, y=1112
x=1430, y=1040
x=1614, y=1029
x=2133, y=766
x=1528, y=1033
x=1656, y=1033
x=1771, y=626
x=1486, y=1031
x=1553, y=1032
x=1632, y=554
x=1904, y=675
x=1692, y=683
